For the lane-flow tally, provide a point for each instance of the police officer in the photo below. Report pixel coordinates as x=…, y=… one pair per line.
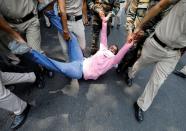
x=136, y=11
x=73, y=13
x=9, y=101
x=20, y=17
x=162, y=48
x=101, y=8
x=73, y=16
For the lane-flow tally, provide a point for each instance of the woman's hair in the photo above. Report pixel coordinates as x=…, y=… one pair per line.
x=116, y=47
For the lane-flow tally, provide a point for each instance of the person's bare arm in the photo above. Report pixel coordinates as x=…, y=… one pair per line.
x=62, y=9
x=15, y=35
x=84, y=11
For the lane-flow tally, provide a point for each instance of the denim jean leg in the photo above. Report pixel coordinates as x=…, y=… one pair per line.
x=71, y=70
x=74, y=50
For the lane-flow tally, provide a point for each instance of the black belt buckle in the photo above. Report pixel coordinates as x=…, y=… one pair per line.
x=18, y=21
x=72, y=18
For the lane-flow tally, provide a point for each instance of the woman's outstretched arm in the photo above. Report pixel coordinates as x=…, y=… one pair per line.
x=122, y=52
x=103, y=42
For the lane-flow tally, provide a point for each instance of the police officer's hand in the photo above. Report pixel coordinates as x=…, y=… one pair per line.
x=135, y=36
x=129, y=37
x=101, y=14
x=66, y=35
x=16, y=36
x=138, y=33
x=85, y=20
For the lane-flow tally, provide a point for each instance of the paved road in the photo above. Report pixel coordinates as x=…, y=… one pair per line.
x=102, y=105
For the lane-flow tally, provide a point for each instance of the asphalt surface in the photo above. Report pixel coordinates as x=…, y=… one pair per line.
x=102, y=105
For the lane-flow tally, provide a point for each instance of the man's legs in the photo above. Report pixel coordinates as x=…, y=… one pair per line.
x=9, y=101
x=160, y=73
x=15, y=78
x=144, y=60
x=79, y=30
x=165, y=60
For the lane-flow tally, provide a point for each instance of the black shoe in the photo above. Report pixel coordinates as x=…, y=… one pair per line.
x=49, y=73
x=179, y=73
x=128, y=80
x=20, y=119
x=40, y=81
x=138, y=112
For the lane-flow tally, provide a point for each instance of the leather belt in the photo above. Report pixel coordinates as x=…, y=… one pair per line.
x=163, y=44
x=74, y=18
x=20, y=20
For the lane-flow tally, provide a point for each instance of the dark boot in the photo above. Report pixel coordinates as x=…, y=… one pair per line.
x=40, y=81
x=138, y=112
x=179, y=73
x=20, y=119
x=128, y=80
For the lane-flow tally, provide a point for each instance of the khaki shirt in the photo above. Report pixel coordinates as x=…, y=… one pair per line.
x=15, y=9
x=172, y=29
x=74, y=7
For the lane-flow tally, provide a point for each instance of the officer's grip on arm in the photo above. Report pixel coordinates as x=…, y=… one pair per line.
x=66, y=34
x=15, y=35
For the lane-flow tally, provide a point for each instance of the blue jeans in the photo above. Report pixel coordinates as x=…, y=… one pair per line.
x=73, y=69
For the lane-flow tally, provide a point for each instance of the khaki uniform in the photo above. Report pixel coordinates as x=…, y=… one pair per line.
x=8, y=100
x=18, y=9
x=108, y=6
x=171, y=31
x=73, y=8
x=136, y=12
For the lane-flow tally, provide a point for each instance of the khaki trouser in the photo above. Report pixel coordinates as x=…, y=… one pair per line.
x=78, y=29
x=31, y=29
x=183, y=70
x=8, y=100
x=165, y=61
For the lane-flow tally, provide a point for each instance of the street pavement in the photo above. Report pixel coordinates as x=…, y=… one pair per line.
x=102, y=105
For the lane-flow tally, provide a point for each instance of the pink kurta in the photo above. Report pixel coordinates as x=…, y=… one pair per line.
x=103, y=60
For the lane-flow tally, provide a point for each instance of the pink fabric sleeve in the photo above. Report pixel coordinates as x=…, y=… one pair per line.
x=104, y=34
x=122, y=52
